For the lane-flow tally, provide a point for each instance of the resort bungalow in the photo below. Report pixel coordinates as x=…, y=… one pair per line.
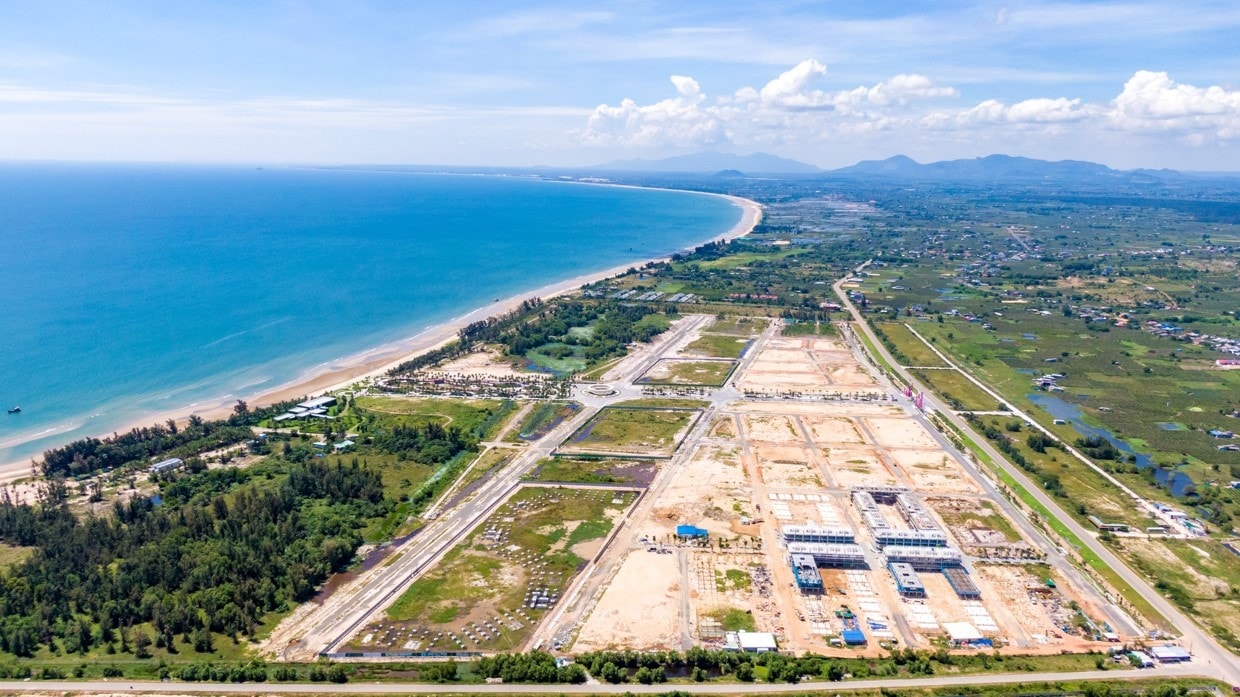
x=309, y=409
x=166, y=465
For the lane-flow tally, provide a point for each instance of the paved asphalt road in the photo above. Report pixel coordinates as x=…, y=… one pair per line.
x=138, y=687
x=1210, y=657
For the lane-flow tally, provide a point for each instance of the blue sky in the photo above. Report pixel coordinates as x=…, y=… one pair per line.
x=1131, y=83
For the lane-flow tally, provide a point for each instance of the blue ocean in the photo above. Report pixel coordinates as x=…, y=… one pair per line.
x=131, y=291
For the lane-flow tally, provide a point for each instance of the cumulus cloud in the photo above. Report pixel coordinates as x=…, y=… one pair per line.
x=1028, y=112
x=792, y=108
x=787, y=108
x=1152, y=101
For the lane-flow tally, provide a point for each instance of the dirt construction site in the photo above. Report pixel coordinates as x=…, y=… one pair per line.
x=843, y=526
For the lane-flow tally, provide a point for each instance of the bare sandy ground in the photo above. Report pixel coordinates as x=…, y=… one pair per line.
x=625, y=619
x=817, y=409
x=933, y=471
x=488, y=363
x=900, y=433
x=377, y=361
x=832, y=430
x=702, y=493
x=857, y=466
x=771, y=428
x=807, y=365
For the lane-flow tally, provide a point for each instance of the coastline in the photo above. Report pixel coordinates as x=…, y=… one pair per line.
x=376, y=361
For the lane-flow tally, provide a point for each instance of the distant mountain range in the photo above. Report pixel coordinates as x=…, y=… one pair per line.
x=757, y=163
x=991, y=167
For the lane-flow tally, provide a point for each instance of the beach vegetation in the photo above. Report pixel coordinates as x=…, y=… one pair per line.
x=140, y=446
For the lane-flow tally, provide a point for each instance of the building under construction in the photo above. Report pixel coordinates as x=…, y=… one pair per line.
x=917, y=517
x=815, y=533
x=805, y=569
x=958, y=578
x=868, y=508
x=907, y=582
x=910, y=538
x=924, y=558
x=834, y=556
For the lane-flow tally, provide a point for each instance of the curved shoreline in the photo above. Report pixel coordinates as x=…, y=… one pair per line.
x=378, y=360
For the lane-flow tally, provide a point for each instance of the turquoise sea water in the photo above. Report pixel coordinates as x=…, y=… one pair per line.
x=128, y=291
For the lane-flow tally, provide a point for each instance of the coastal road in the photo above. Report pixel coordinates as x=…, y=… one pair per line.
x=1205, y=649
x=154, y=687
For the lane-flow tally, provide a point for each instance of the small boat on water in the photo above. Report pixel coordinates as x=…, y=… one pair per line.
x=15, y=410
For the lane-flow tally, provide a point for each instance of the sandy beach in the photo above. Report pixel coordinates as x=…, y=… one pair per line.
x=379, y=360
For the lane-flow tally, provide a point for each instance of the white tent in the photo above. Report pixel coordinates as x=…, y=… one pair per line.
x=962, y=632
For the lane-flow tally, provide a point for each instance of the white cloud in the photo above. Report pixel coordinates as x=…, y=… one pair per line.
x=1152, y=101
x=1030, y=111
x=786, y=109
x=788, y=90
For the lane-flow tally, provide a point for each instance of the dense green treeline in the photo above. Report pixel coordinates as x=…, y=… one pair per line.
x=225, y=548
x=141, y=445
x=614, y=327
x=427, y=443
x=699, y=664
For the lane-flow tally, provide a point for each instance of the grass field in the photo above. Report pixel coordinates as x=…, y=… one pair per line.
x=809, y=329
x=488, y=462
x=717, y=346
x=663, y=403
x=557, y=358
x=11, y=555
x=594, y=471
x=1202, y=577
x=673, y=371
x=906, y=347
x=634, y=431
x=957, y=390
x=541, y=419
x=480, y=418
x=739, y=326
x=732, y=618
x=538, y=539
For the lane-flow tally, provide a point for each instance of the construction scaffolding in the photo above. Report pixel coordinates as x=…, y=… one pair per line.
x=910, y=538
x=805, y=569
x=836, y=556
x=917, y=517
x=907, y=582
x=815, y=533
x=868, y=508
x=924, y=558
x=958, y=578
